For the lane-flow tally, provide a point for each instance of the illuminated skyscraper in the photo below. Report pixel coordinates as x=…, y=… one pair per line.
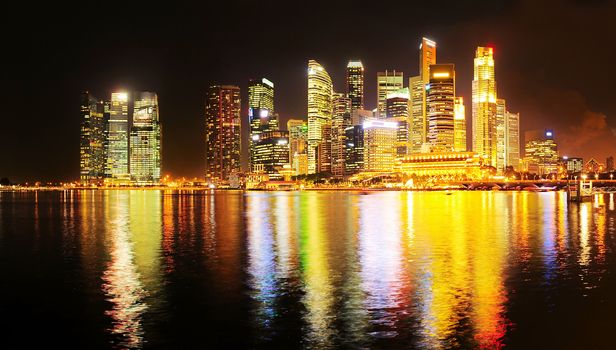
x=354, y=149
x=417, y=84
x=387, y=82
x=319, y=109
x=117, y=153
x=271, y=153
x=93, y=145
x=459, y=126
x=145, y=140
x=222, y=132
x=355, y=84
x=261, y=116
x=484, y=106
x=440, y=98
x=341, y=119
x=398, y=111
x=379, y=145
x=512, y=139
x=298, y=145
x=541, y=152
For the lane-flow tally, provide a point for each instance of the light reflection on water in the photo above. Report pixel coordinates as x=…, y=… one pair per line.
x=323, y=270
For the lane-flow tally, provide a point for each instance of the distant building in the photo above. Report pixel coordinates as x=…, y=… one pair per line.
x=379, y=145
x=541, y=152
x=593, y=166
x=354, y=150
x=358, y=116
x=440, y=98
x=355, y=84
x=271, y=153
x=573, y=165
x=398, y=112
x=320, y=91
x=507, y=137
x=222, y=132
x=323, y=152
x=341, y=119
x=93, y=140
x=609, y=164
x=298, y=145
x=484, y=106
x=459, y=125
x=145, y=140
x=261, y=114
x=387, y=82
x=118, y=170
x=419, y=120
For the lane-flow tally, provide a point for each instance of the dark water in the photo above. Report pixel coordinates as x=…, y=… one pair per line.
x=133, y=269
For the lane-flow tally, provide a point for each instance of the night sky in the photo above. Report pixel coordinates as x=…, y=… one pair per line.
x=555, y=64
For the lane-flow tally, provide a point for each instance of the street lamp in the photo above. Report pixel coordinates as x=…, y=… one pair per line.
x=584, y=176
x=596, y=176
x=611, y=176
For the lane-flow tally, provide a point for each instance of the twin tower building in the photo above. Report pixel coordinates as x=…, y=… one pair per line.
x=120, y=139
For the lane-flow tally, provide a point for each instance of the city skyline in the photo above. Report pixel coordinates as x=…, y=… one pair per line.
x=539, y=81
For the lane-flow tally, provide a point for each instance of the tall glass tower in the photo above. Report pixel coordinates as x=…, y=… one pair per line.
x=222, y=132
x=419, y=120
x=145, y=140
x=118, y=170
x=93, y=141
x=261, y=116
x=355, y=84
x=320, y=91
x=440, y=98
x=387, y=82
x=484, y=106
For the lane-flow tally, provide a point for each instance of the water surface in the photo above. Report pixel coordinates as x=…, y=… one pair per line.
x=425, y=270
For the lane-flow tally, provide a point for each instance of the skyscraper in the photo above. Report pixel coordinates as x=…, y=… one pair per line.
x=417, y=84
x=145, y=140
x=341, y=119
x=271, y=153
x=501, y=109
x=512, y=139
x=459, y=126
x=319, y=109
x=93, y=141
x=484, y=106
x=440, y=98
x=298, y=145
x=379, y=145
x=117, y=154
x=222, y=132
x=355, y=84
x=387, y=82
x=541, y=152
x=398, y=111
x=261, y=115
x=354, y=149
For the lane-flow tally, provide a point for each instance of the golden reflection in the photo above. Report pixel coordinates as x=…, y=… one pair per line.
x=122, y=286
x=611, y=201
x=584, y=218
x=318, y=297
x=261, y=259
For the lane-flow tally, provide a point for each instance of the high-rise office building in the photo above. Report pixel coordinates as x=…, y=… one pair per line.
x=354, y=149
x=387, y=82
x=398, y=111
x=501, y=110
x=512, y=139
x=222, y=132
x=417, y=85
x=320, y=91
x=271, y=153
x=379, y=145
x=298, y=145
x=261, y=115
x=341, y=119
x=440, y=100
x=118, y=170
x=484, y=106
x=541, y=152
x=93, y=140
x=459, y=125
x=145, y=140
x=355, y=84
